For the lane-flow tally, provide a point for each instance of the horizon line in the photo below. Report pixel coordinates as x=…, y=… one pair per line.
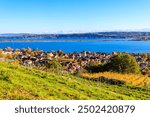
x=74, y=32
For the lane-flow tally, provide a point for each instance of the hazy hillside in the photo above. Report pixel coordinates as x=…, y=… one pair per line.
x=17, y=82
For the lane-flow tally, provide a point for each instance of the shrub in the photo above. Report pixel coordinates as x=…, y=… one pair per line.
x=55, y=66
x=96, y=68
x=111, y=81
x=123, y=63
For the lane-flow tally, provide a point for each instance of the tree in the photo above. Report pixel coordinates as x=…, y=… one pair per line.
x=55, y=66
x=60, y=52
x=124, y=63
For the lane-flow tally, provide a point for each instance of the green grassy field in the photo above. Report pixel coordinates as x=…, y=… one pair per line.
x=17, y=82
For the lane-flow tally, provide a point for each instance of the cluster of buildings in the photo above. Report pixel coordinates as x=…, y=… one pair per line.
x=72, y=62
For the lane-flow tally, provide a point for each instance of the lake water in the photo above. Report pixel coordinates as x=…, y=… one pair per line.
x=93, y=46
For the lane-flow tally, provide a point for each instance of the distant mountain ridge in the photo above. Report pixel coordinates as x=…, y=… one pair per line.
x=11, y=34
x=134, y=35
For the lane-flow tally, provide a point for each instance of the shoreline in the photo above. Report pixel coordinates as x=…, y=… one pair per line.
x=74, y=52
x=70, y=40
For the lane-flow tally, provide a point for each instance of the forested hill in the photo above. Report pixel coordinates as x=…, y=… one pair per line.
x=133, y=35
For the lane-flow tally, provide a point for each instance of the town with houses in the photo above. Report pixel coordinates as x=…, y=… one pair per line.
x=71, y=62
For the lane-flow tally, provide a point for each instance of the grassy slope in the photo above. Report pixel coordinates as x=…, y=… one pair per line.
x=18, y=82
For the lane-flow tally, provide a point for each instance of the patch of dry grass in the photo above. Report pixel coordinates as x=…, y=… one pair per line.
x=131, y=79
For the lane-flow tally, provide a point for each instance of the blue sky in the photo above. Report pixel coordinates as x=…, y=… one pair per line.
x=55, y=16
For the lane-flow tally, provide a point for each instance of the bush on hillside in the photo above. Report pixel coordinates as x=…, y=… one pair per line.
x=55, y=66
x=123, y=63
x=110, y=81
x=96, y=68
